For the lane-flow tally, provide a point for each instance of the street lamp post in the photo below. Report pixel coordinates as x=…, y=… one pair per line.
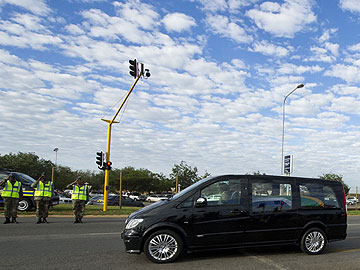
x=283, y=126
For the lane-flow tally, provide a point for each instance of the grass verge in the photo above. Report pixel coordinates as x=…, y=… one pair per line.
x=353, y=213
x=97, y=210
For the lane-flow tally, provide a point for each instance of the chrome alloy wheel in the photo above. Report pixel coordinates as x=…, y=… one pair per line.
x=314, y=241
x=162, y=247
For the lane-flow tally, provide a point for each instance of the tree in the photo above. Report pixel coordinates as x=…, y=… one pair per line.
x=335, y=177
x=28, y=163
x=186, y=174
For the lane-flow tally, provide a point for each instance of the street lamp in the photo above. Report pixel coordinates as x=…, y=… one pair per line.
x=283, y=126
x=56, y=150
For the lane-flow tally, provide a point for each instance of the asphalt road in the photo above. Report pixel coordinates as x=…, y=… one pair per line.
x=96, y=244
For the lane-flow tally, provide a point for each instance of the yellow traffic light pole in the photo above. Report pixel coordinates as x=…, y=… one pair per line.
x=110, y=122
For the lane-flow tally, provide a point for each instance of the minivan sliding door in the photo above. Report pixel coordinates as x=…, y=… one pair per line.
x=273, y=217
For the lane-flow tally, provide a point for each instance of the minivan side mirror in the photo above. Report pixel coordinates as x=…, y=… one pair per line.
x=201, y=202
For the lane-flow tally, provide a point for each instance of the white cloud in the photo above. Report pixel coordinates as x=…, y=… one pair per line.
x=350, y=74
x=343, y=89
x=224, y=27
x=138, y=13
x=350, y=5
x=346, y=104
x=298, y=69
x=178, y=22
x=283, y=20
x=38, y=7
x=214, y=5
x=267, y=48
x=354, y=48
x=26, y=32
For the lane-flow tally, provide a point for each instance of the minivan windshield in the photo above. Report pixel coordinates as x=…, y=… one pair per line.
x=190, y=188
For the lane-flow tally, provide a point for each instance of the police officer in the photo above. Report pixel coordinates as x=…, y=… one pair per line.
x=43, y=193
x=11, y=194
x=79, y=197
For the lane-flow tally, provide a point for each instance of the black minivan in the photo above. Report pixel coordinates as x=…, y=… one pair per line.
x=239, y=211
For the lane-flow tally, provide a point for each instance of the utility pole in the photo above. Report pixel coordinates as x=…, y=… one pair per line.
x=134, y=71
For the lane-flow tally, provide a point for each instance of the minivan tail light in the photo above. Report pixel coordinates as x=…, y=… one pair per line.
x=345, y=206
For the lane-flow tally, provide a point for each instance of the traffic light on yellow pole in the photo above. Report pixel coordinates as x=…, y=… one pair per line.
x=137, y=74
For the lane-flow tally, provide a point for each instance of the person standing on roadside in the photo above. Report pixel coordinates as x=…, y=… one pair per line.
x=43, y=193
x=11, y=194
x=79, y=197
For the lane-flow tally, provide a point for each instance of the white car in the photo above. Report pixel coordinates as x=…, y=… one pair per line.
x=64, y=200
x=156, y=198
x=352, y=200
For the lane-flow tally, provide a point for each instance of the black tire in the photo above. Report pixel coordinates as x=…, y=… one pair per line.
x=24, y=205
x=163, y=246
x=313, y=241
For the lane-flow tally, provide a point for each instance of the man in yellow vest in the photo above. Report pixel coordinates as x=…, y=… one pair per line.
x=79, y=197
x=11, y=194
x=43, y=193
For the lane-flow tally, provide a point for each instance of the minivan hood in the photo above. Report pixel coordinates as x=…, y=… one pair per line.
x=147, y=208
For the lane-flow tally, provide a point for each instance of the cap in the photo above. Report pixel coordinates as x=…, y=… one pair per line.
x=43, y=174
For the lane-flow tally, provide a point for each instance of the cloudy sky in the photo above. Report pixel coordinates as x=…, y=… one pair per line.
x=220, y=70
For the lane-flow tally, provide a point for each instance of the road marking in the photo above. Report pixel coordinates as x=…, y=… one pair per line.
x=268, y=261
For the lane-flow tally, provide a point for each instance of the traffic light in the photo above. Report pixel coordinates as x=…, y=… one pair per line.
x=100, y=160
x=108, y=165
x=134, y=71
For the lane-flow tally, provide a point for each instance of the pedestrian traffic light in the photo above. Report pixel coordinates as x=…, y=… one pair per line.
x=100, y=160
x=134, y=71
x=108, y=165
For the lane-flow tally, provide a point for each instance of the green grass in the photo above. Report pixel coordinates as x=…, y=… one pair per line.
x=97, y=210
x=353, y=213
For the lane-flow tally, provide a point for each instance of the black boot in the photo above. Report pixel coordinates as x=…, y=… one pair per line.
x=38, y=221
x=45, y=221
x=76, y=220
x=80, y=220
x=7, y=220
x=13, y=220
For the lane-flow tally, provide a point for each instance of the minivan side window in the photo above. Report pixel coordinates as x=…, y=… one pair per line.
x=316, y=196
x=225, y=192
x=271, y=197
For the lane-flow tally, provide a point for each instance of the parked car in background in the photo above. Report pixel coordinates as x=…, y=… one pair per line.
x=156, y=198
x=27, y=202
x=64, y=200
x=352, y=200
x=113, y=200
x=136, y=196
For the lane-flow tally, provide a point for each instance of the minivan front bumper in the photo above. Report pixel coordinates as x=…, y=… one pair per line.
x=132, y=242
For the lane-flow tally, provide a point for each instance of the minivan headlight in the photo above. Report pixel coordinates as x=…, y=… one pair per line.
x=133, y=223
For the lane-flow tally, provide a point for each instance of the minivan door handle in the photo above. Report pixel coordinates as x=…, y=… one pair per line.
x=237, y=212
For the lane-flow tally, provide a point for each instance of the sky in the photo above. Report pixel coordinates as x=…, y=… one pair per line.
x=220, y=71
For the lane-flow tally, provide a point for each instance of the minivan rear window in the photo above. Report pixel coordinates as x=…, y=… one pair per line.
x=316, y=196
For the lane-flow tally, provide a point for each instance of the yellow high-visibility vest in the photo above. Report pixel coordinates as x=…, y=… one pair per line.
x=43, y=190
x=10, y=190
x=79, y=193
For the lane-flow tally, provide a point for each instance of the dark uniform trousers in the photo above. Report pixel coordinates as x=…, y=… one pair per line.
x=79, y=208
x=42, y=206
x=10, y=207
